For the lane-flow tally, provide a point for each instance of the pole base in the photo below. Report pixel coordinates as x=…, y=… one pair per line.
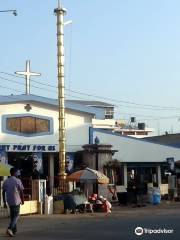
x=63, y=186
x=62, y=176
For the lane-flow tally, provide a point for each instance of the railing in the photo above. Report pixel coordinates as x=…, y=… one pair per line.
x=56, y=186
x=27, y=183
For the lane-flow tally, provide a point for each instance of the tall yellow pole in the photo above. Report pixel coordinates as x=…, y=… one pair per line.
x=60, y=12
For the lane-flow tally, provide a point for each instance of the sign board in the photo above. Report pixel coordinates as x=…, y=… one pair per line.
x=29, y=147
x=42, y=190
x=3, y=157
x=69, y=162
x=39, y=190
x=170, y=162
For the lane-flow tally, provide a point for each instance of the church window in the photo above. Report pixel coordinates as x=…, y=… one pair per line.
x=28, y=125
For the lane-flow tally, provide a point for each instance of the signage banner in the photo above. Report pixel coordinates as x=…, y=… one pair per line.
x=170, y=162
x=69, y=162
x=3, y=157
x=37, y=162
x=29, y=147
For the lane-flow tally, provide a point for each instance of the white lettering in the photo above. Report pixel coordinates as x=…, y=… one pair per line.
x=140, y=231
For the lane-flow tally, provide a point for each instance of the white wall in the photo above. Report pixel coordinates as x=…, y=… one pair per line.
x=77, y=126
x=135, y=150
x=77, y=130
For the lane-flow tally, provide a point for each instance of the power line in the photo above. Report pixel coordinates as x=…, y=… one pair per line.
x=133, y=103
x=21, y=83
x=49, y=90
x=138, y=106
x=45, y=84
x=149, y=106
x=1, y=86
x=150, y=118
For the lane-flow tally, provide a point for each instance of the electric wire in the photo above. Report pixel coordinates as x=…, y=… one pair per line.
x=148, y=106
x=118, y=106
x=150, y=118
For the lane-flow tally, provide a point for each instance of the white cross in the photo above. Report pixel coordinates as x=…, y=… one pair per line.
x=28, y=74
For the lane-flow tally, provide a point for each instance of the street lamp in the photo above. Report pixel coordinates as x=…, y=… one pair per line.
x=14, y=12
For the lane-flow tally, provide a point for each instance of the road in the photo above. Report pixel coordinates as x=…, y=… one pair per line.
x=119, y=225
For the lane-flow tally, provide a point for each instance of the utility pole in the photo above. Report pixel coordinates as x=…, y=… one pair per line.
x=60, y=13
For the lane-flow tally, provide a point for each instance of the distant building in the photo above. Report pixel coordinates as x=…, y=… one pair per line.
x=137, y=157
x=108, y=108
x=170, y=139
x=130, y=128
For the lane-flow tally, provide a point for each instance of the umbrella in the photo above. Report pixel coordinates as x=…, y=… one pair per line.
x=88, y=175
x=5, y=169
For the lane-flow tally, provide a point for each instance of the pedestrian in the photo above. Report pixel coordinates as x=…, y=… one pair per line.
x=13, y=195
x=141, y=190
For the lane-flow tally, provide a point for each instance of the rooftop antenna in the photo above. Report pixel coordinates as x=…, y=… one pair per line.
x=59, y=4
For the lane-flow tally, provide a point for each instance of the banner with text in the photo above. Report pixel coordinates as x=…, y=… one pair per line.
x=29, y=148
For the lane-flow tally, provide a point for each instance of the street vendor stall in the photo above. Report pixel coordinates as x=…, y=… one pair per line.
x=88, y=176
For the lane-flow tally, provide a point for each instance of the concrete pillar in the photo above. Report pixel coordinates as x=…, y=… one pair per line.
x=158, y=172
x=125, y=174
x=51, y=171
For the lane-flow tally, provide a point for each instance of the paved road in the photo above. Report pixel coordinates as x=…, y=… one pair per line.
x=119, y=225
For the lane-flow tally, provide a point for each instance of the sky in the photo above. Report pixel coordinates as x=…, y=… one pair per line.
x=124, y=52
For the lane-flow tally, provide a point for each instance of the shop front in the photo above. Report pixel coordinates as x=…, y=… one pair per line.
x=33, y=162
x=144, y=172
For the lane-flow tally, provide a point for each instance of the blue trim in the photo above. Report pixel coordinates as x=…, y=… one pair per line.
x=4, y=128
x=136, y=139
x=91, y=131
x=98, y=112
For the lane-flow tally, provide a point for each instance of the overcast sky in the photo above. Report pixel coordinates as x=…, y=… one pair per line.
x=125, y=51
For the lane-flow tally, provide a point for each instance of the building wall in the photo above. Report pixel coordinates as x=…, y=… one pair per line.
x=77, y=126
x=135, y=150
x=77, y=130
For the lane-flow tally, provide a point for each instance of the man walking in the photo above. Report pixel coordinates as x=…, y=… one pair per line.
x=13, y=195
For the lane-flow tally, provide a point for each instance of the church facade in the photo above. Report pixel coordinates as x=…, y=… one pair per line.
x=29, y=139
x=29, y=132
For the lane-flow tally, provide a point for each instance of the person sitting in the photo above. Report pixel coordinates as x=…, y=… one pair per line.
x=106, y=205
x=92, y=198
x=97, y=206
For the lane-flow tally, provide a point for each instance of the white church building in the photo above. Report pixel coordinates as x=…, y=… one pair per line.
x=29, y=136
x=29, y=128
